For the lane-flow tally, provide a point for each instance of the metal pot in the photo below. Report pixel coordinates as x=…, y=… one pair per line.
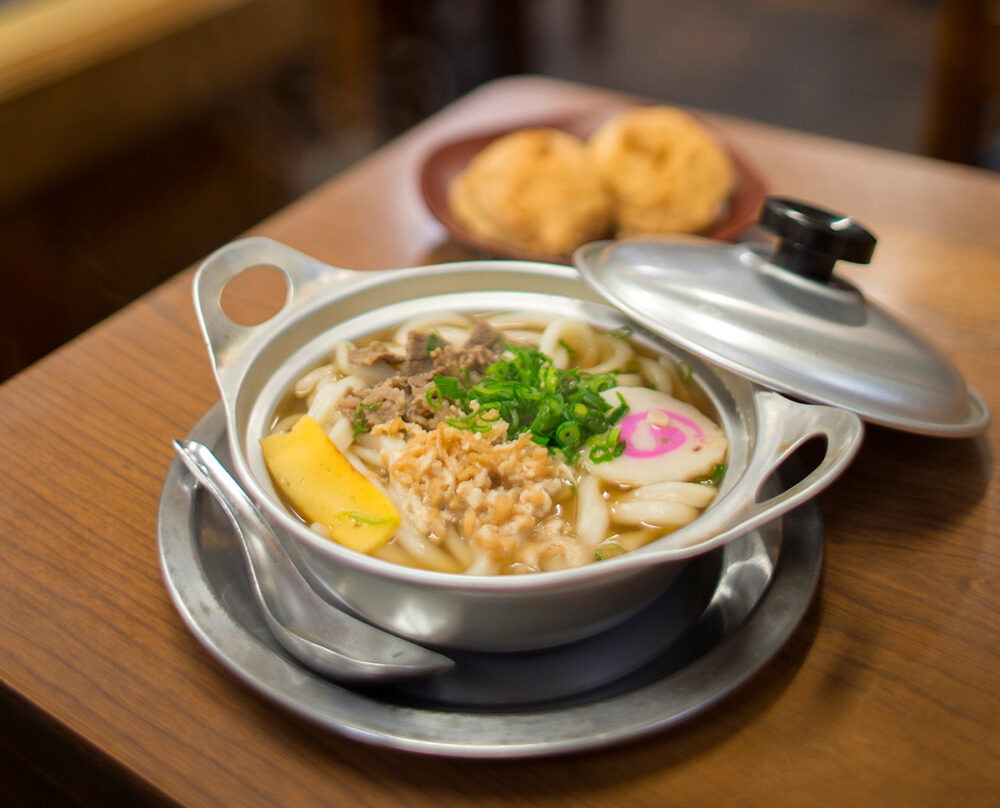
x=255, y=366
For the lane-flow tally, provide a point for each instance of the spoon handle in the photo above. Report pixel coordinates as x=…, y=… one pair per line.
x=268, y=563
x=312, y=629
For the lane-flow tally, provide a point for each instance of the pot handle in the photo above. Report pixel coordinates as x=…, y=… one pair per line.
x=221, y=334
x=783, y=427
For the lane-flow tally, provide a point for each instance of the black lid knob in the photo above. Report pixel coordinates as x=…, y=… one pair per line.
x=812, y=240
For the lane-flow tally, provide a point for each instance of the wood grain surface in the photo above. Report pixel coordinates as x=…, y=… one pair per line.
x=886, y=695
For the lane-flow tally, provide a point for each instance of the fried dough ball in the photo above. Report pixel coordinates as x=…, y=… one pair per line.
x=668, y=174
x=536, y=190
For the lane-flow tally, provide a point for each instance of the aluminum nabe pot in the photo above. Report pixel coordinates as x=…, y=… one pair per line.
x=255, y=367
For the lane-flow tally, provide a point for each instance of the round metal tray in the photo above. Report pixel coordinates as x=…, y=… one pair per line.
x=724, y=618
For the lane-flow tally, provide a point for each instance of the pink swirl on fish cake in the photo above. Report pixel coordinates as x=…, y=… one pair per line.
x=666, y=437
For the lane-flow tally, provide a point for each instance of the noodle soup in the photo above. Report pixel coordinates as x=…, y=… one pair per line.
x=494, y=444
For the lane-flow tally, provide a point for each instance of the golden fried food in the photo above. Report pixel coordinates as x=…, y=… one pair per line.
x=668, y=174
x=535, y=190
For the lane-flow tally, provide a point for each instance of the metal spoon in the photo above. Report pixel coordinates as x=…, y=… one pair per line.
x=312, y=630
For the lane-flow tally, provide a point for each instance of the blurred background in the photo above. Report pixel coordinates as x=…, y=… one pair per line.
x=138, y=135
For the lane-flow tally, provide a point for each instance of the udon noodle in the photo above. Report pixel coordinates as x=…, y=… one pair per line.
x=478, y=489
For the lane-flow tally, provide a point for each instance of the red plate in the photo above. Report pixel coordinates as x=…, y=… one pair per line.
x=448, y=160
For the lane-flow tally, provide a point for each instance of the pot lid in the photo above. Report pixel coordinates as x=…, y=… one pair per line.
x=781, y=317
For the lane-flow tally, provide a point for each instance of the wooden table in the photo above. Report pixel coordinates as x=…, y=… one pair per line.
x=887, y=693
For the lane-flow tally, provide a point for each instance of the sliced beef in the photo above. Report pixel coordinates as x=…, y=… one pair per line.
x=405, y=394
x=403, y=397
x=421, y=356
x=374, y=352
x=426, y=354
x=484, y=334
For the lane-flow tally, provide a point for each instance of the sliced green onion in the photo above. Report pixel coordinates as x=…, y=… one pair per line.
x=568, y=434
x=606, y=447
x=435, y=398
x=359, y=423
x=715, y=477
x=561, y=409
x=448, y=386
x=608, y=549
x=360, y=518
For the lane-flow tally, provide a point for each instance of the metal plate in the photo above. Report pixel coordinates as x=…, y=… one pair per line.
x=730, y=611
